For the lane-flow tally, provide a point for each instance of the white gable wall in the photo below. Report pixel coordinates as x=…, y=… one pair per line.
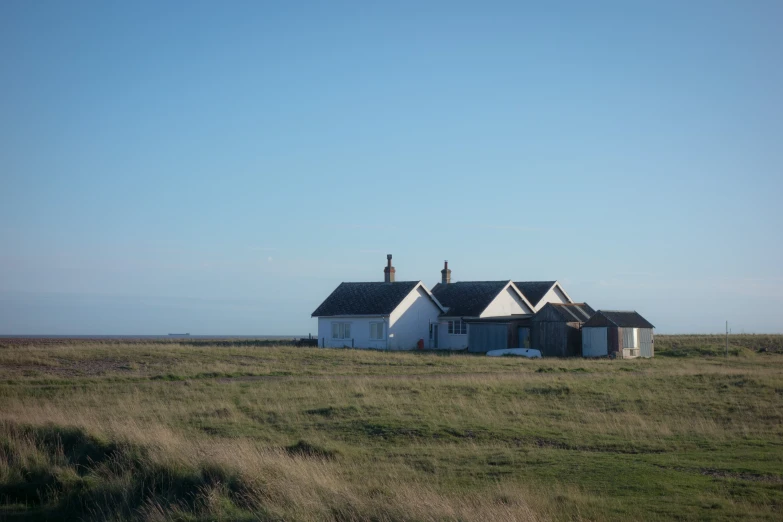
x=554, y=295
x=505, y=303
x=410, y=321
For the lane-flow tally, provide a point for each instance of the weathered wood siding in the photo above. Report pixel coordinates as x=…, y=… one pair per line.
x=614, y=338
x=483, y=337
x=556, y=339
x=523, y=337
x=549, y=337
x=574, y=334
x=646, y=344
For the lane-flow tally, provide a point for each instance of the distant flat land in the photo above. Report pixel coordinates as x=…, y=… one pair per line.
x=186, y=428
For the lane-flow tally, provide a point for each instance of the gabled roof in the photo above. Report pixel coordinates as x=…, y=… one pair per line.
x=367, y=298
x=467, y=298
x=570, y=312
x=623, y=319
x=534, y=291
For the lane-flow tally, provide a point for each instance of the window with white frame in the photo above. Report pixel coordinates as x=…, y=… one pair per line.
x=376, y=331
x=458, y=327
x=341, y=330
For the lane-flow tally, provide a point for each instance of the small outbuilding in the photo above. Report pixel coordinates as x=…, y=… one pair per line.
x=497, y=333
x=556, y=329
x=620, y=334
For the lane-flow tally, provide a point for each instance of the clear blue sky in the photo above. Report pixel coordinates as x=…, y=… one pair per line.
x=219, y=167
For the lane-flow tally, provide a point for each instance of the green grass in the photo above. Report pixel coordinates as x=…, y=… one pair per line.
x=169, y=430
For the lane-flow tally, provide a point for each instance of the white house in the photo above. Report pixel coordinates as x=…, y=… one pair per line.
x=389, y=315
x=397, y=315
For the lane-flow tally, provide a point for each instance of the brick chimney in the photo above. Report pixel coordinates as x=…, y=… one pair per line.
x=445, y=274
x=388, y=272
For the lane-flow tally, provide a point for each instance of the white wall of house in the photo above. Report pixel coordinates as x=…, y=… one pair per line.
x=360, y=332
x=447, y=341
x=554, y=295
x=506, y=302
x=410, y=321
x=595, y=342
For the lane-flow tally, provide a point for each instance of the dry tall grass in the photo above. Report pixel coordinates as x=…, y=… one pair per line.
x=109, y=431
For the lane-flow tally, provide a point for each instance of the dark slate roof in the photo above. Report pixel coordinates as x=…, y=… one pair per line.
x=467, y=298
x=573, y=312
x=365, y=298
x=623, y=319
x=534, y=291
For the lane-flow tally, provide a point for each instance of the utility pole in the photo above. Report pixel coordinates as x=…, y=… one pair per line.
x=727, y=339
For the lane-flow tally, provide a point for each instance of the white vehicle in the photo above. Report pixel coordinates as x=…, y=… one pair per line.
x=520, y=352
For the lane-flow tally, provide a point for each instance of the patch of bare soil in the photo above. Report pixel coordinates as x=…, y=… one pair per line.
x=68, y=369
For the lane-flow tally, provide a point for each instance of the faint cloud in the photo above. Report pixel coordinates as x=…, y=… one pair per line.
x=359, y=226
x=269, y=259
x=516, y=228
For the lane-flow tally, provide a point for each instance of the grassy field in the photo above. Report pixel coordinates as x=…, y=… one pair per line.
x=235, y=431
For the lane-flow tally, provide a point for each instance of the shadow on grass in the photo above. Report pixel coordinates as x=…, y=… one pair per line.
x=67, y=474
x=306, y=449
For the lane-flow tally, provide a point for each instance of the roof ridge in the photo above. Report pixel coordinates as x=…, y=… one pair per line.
x=380, y=282
x=482, y=281
x=622, y=318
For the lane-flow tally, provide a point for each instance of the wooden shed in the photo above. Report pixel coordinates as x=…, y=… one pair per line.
x=496, y=333
x=620, y=334
x=556, y=329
